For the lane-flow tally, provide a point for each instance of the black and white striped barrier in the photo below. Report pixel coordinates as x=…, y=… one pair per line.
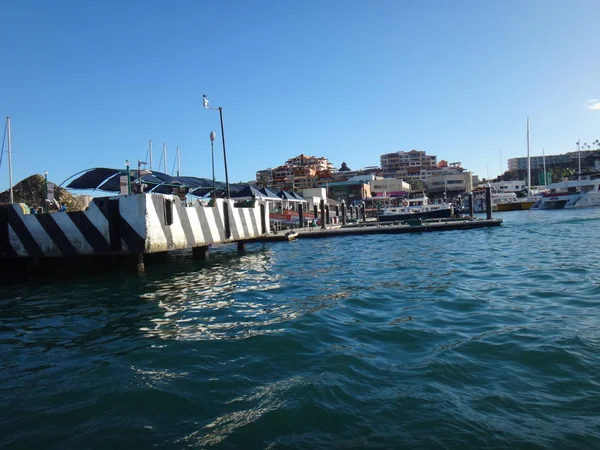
x=128, y=224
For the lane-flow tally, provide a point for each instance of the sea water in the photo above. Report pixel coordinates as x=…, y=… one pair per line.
x=485, y=338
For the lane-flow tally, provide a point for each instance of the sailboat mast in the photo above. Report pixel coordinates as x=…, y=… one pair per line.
x=579, y=158
x=150, y=150
x=544, y=161
x=11, y=197
x=178, y=162
x=528, y=161
x=165, y=157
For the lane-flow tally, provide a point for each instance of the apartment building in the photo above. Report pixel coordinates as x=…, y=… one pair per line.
x=449, y=182
x=300, y=172
x=406, y=164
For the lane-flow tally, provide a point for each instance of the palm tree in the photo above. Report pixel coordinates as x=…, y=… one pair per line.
x=415, y=184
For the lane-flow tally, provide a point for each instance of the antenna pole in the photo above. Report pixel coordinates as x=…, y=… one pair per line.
x=178, y=161
x=165, y=157
x=150, y=148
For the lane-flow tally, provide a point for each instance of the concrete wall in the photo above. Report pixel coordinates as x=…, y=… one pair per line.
x=127, y=224
x=195, y=226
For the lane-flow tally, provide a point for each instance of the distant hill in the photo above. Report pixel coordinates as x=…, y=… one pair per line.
x=32, y=192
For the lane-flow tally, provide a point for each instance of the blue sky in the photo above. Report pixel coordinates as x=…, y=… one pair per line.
x=89, y=83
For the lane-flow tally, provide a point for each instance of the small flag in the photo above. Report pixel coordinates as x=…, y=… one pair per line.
x=205, y=101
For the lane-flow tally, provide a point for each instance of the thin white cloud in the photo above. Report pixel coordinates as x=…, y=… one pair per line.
x=593, y=104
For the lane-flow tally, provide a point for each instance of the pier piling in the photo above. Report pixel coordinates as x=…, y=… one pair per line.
x=201, y=253
x=139, y=263
x=128, y=264
x=323, y=226
x=241, y=247
x=470, y=204
x=488, y=202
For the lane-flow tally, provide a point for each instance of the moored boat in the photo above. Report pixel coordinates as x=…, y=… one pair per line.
x=571, y=194
x=415, y=208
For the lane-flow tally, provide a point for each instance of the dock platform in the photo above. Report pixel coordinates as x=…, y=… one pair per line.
x=424, y=226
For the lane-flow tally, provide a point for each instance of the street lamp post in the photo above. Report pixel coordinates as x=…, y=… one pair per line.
x=212, y=154
x=128, y=177
x=220, y=109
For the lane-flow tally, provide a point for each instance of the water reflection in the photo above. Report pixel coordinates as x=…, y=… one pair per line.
x=266, y=398
x=230, y=300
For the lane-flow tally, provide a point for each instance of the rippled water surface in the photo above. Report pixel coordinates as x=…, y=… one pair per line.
x=466, y=339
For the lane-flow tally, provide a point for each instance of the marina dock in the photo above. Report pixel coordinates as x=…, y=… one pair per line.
x=366, y=228
x=400, y=228
x=121, y=231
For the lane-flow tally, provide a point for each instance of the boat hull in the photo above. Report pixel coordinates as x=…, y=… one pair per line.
x=433, y=214
x=515, y=206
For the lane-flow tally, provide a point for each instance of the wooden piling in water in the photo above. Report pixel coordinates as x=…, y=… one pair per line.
x=488, y=202
x=201, y=253
x=139, y=263
x=470, y=204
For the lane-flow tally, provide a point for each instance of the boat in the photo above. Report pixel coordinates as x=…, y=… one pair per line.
x=501, y=201
x=571, y=194
x=508, y=201
x=588, y=198
x=291, y=235
x=415, y=208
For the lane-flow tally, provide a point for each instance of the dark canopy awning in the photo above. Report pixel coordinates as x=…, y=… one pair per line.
x=269, y=194
x=248, y=191
x=93, y=178
x=297, y=196
x=286, y=196
x=106, y=179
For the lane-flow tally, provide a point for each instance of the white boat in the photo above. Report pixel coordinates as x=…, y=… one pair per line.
x=501, y=201
x=571, y=194
x=415, y=208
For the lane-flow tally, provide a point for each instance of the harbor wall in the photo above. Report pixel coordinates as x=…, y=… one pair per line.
x=129, y=224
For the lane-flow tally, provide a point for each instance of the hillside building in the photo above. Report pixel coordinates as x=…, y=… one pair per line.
x=406, y=164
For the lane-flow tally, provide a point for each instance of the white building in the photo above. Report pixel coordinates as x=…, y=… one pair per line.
x=314, y=196
x=451, y=182
x=389, y=187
